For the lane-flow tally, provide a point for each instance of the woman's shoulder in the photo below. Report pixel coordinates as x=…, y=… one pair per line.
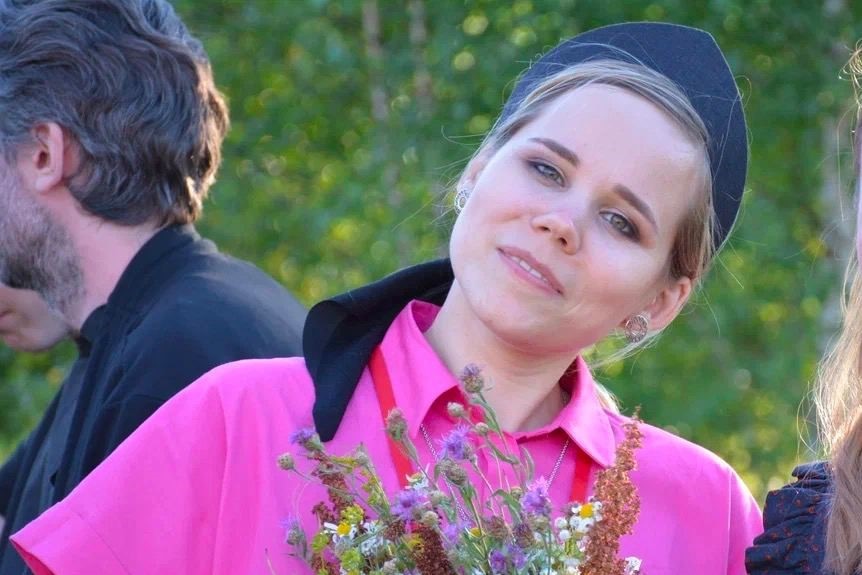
x=694, y=481
x=672, y=456
x=795, y=525
x=278, y=385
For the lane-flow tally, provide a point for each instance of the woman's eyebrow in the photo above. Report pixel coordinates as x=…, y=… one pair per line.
x=632, y=199
x=559, y=149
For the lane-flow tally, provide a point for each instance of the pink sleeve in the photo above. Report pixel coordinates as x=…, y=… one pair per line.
x=151, y=507
x=746, y=522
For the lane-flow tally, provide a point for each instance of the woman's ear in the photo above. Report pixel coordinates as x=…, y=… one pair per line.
x=474, y=169
x=668, y=303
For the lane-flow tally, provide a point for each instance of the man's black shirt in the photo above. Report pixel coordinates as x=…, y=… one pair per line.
x=179, y=309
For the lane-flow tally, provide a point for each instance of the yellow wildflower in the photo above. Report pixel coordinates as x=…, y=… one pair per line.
x=586, y=510
x=353, y=514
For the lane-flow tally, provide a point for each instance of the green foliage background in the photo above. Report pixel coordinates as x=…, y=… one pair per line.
x=326, y=192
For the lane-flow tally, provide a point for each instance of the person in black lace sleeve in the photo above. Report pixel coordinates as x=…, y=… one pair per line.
x=814, y=525
x=794, y=520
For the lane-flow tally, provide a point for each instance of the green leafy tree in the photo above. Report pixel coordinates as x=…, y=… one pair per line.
x=351, y=118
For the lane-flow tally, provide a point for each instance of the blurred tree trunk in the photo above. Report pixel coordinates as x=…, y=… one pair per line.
x=374, y=53
x=421, y=76
x=386, y=154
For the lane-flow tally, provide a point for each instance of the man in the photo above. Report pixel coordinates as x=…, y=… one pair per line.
x=110, y=136
x=26, y=324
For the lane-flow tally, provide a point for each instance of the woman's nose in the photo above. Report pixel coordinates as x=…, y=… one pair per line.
x=559, y=227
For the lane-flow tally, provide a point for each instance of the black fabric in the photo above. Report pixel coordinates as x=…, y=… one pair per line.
x=7, y=476
x=180, y=309
x=794, y=521
x=693, y=61
x=341, y=333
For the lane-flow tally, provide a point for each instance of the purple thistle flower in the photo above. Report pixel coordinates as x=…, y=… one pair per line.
x=497, y=560
x=516, y=556
x=471, y=378
x=290, y=523
x=302, y=436
x=452, y=532
x=292, y=529
x=536, y=500
x=408, y=503
x=502, y=561
x=456, y=444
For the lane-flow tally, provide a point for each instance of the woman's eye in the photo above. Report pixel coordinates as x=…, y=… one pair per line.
x=548, y=172
x=622, y=225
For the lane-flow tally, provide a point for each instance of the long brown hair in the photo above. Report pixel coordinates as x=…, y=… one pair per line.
x=839, y=404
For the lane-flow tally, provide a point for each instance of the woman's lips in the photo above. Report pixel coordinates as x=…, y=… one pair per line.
x=531, y=269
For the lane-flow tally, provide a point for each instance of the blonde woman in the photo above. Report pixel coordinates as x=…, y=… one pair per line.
x=593, y=206
x=814, y=525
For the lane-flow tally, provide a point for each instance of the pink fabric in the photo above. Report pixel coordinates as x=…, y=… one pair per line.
x=196, y=489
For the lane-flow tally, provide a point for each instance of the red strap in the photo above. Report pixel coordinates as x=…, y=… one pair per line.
x=583, y=466
x=386, y=399
x=403, y=467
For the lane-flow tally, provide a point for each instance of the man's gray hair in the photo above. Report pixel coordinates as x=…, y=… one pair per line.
x=131, y=87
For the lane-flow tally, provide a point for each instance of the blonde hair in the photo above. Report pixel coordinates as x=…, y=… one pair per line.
x=839, y=406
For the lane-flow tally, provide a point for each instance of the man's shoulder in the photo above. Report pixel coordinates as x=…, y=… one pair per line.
x=190, y=318
x=208, y=274
x=211, y=295
x=210, y=309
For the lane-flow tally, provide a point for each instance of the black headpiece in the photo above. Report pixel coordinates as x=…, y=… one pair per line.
x=692, y=60
x=340, y=333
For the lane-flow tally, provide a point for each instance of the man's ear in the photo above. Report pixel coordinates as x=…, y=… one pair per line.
x=46, y=162
x=668, y=303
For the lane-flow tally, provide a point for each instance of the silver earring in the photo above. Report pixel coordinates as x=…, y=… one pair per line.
x=636, y=328
x=461, y=199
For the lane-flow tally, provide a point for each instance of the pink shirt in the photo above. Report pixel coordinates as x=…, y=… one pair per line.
x=196, y=490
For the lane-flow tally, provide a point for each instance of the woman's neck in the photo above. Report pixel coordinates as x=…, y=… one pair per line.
x=522, y=386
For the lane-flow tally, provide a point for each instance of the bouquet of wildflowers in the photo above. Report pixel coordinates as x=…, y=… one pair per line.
x=438, y=526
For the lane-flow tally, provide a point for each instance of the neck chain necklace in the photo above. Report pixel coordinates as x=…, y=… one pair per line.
x=461, y=509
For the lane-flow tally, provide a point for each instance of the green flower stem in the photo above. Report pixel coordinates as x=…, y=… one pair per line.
x=413, y=455
x=494, y=424
x=467, y=493
x=487, y=483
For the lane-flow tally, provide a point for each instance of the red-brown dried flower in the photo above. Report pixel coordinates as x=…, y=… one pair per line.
x=620, y=507
x=429, y=555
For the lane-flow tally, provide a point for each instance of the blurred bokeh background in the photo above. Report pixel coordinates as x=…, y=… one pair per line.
x=351, y=118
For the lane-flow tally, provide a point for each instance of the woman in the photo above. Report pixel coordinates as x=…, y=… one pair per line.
x=593, y=205
x=814, y=525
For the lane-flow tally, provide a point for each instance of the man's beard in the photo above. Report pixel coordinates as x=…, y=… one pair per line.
x=36, y=253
